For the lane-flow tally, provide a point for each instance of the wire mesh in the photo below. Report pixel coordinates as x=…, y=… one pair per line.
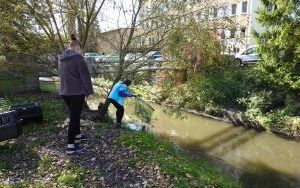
x=143, y=110
x=3, y=105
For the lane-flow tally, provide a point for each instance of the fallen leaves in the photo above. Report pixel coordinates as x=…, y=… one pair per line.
x=104, y=164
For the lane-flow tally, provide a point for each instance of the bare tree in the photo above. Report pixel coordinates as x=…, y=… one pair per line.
x=58, y=18
x=144, y=19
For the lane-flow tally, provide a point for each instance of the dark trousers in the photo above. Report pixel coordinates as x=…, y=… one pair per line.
x=120, y=110
x=75, y=105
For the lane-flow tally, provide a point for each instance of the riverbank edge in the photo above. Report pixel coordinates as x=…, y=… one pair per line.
x=236, y=119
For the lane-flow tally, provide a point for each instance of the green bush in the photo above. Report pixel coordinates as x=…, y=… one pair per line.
x=222, y=90
x=274, y=110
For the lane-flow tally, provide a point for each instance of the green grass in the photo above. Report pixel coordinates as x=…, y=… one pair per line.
x=181, y=168
x=48, y=88
x=53, y=110
x=73, y=176
x=45, y=165
x=53, y=113
x=24, y=185
x=7, y=152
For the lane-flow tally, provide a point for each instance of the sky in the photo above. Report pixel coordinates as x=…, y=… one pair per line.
x=112, y=18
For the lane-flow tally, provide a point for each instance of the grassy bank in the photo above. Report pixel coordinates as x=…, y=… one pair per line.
x=184, y=171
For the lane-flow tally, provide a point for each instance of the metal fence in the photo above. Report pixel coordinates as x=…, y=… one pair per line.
x=11, y=83
x=3, y=105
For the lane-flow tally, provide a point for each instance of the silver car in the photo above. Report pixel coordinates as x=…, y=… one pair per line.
x=247, y=57
x=93, y=57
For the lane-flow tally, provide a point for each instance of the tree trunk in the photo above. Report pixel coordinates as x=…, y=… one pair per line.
x=103, y=110
x=103, y=107
x=86, y=106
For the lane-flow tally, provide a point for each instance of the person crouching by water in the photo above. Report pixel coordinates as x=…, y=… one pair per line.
x=75, y=85
x=117, y=97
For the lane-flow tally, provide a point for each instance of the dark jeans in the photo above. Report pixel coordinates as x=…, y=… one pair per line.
x=75, y=105
x=120, y=110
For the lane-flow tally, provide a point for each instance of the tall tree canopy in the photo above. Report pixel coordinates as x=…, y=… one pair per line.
x=18, y=34
x=279, y=43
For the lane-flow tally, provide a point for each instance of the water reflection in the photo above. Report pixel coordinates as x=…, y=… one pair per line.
x=258, y=175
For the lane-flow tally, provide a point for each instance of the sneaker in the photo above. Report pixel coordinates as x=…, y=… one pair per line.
x=83, y=137
x=76, y=149
x=118, y=125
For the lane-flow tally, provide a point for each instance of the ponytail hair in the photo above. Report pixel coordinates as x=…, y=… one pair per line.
x=74, y=42
x=127, y=82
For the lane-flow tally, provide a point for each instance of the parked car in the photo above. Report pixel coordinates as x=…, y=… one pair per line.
x=110, y=58
x=247, y=57
x=153, y=55
x=135, y=57
x=93, y=57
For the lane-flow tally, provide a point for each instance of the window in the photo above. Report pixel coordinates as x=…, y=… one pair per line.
x=206, y=16
x=232, y=33
x=215, y=12
x=151, y=40
x=243, y=31
x=224, y=11
x=185, y=19
x=179, y=20
x=223, y=34
x=236, y=50
x=159, y=36
x=244, y=7
x=249, y=51
x=146, y=25
x=271, y=7
x=233, y=9
x=142, y=41
x=199, y=15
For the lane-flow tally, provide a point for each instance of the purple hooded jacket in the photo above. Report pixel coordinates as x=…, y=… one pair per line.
x=74, y=75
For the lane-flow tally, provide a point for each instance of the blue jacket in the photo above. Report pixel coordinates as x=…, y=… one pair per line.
x=119, y=93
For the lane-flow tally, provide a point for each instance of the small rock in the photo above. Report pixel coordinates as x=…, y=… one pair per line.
x=145, y=183
x=188, y=176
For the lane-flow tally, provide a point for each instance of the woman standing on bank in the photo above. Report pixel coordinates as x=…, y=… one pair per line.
x=75, y=85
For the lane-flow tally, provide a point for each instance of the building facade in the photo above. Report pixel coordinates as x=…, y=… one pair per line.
x=240, y=13
x=110, y=42
x=236, y=36
x=243, y=14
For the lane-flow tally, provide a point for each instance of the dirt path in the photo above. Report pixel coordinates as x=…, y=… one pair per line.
x=104, y=163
